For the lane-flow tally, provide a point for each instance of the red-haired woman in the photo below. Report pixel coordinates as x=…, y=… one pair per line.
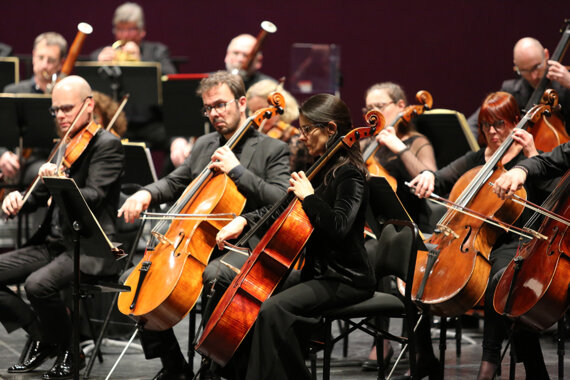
x=497, y=120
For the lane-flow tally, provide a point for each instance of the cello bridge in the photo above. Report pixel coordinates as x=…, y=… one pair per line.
x=161, y=238
x=447, y=231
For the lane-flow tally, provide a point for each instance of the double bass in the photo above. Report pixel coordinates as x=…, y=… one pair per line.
x=452, y=277
x=374, y=167
x=549, y=131
x=534, y=286
x=268, y=264
x=167, y=282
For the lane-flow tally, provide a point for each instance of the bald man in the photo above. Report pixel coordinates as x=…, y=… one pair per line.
x=237, y=53
x=45, y=265
x=531, y=61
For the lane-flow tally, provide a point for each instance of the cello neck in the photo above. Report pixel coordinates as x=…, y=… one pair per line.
x=558, y=55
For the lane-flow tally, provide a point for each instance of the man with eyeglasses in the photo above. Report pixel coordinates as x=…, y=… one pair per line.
x=531, y=62
x=48, y=55
x=258, y=165
x=45, y=265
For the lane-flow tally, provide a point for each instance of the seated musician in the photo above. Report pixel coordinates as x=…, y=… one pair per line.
x=336, y=270
x=236, y=54
x=497, y=120
x=45, y=265
x=259, y=166
x=531, y=61
x=129, y=28
x=48, y=55
x=404, y=153
x=105, y=109
x=279, y=126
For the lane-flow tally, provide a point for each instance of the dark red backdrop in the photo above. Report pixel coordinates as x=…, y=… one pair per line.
x=458, y=50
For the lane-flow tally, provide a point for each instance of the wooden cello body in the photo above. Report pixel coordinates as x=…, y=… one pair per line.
x=452, y=277
x=268, y=264
x=372, y=164
x=534, y=286
x=167, y=282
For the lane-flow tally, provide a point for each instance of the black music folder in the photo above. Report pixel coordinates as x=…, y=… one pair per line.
x=139, y=168
x=94, y=242
x=448, y=132
x=385, y=205
x=9, y=71
x=27, y=116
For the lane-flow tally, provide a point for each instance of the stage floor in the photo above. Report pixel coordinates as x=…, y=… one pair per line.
x=134, y=366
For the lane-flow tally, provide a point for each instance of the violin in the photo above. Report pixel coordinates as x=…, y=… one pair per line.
x=167, y=282
x=372, y=163
x=534, y=286
x=549, y=131
x=452, y=277
x=269, y=262
x=282, y=131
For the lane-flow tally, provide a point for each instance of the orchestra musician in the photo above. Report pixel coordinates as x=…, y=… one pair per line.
x=404, y=153
x=45, y=265
x=48, y=55
x=531, y=61
x=237, y=53
x=129, y=27
x=105, y=109
x=336, y=270
x=497, y=120
x=259, y=166
x=279, y=126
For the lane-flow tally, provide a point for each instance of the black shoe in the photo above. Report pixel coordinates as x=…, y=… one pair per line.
x=208, y=370
x=169, y=374
x=37, y=354
x=63, y=367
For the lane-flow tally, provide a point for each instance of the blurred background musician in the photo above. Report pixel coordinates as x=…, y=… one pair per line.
x=105, y=109
x=5, y=50
x=280, y=126
x=129, y=28
x=237, y=53
x=48, y=54
x=531, y=61
x=404, y=154
x=45, y=265
x=258, y=165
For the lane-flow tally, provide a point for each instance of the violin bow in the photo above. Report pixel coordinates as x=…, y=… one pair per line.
x=118, y=112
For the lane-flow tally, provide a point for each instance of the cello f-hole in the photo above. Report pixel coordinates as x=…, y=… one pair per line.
x=550, y=251
x=464, y=243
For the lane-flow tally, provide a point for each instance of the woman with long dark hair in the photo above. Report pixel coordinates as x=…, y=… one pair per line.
x=336, y=270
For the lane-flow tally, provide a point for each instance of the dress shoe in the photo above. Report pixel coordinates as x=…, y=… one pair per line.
x=37, y=354
x=170, y=374
x=371, y=365
x=63, y=367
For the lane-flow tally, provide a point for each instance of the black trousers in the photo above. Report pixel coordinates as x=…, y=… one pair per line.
x=44, y=271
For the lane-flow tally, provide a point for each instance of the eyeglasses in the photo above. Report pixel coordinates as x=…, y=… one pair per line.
x=538, y=66
x=499, y=125
x=220, y=107
x=66, y=108
x=307, y=129
x=375, y=106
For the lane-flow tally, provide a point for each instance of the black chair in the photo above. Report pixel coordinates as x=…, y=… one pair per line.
x=393, y=254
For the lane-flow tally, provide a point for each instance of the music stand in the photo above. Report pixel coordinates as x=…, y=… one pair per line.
x=139, y=168
x=88, y=238
x=385, y=205
x=181, y=107
x=27, y=116
x=9, y=71
x=448, y=132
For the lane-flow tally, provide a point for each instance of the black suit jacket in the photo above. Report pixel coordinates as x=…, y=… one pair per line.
x=97, y=173
x=27, y=86
x=151, y=52
x=262, y=176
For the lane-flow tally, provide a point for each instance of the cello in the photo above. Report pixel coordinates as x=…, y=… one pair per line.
x=269, y=262
x=549, y=131
x=374, y=167
x=167, y=282
x=452, y=277
x=534, y=286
